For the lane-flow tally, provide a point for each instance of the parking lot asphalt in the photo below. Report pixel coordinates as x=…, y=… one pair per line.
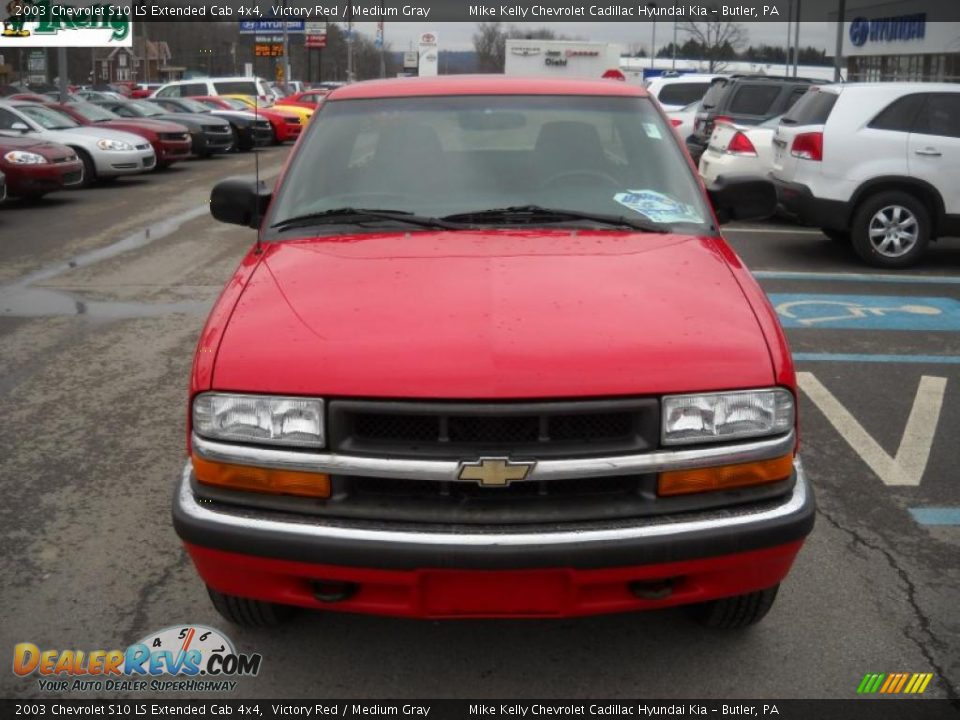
x=102, y=296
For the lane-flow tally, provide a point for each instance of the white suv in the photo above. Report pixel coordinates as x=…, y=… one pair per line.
x=675, y=91
x=877, y=164
x=204, y=87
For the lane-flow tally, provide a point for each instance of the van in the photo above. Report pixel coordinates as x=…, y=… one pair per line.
x=204, y=87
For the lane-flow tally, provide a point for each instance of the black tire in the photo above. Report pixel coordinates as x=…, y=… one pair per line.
x=735, y=612
x=236, y=139
x=841, y=237
x=89, y=169
x=247, y=612
x=871, y=216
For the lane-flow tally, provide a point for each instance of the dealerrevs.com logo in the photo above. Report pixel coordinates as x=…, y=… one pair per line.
x=180, y=658
x=64, y=23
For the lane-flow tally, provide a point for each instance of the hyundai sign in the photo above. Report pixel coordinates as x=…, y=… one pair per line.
x=890, y=29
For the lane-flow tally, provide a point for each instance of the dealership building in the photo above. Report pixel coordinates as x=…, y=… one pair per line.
x=898, y=41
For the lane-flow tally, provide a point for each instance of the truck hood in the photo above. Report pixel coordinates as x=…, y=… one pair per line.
x=492, y=314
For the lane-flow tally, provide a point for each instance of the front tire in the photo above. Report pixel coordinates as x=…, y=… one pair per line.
x=249, y=613
x=89, y=169
x=737, y=612
x=891, y=230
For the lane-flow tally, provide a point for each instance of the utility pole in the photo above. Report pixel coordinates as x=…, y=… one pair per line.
x=673, y=62
x=286, y=47
x=838, y=52
x=146, y=53
x=786, y=62
x=350, y=45
x=796, y=41
x=62, y=72
x=381, y=40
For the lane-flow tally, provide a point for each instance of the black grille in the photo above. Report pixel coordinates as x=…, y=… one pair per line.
x=72, y=177
x=174, y=136
x=380, y=487
x=380, y=427
x=463, y=430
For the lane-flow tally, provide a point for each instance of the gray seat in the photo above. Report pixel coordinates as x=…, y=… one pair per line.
x=568, y=146
x=408, y=159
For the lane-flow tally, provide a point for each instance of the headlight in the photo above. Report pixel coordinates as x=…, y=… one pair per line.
x=259, y=419
x=22, y=157
x=726, y=416
x=114, y=145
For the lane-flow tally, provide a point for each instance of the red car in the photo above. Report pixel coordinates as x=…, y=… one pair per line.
x=310, y=99
x=35, y=167
x=170, y=140
x=286, y=126
x=489, y=357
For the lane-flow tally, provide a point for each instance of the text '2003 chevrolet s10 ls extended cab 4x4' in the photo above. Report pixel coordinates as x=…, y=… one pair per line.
x=491, y=357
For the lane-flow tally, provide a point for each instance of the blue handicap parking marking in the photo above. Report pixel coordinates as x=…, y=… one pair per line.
x=936, y=515
x=867, y=312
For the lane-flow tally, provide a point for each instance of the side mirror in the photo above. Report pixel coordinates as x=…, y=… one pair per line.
x=20, y=127
x=240, y=202
x=742, y=198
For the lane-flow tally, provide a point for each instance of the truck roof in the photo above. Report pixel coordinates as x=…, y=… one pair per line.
x=483, y=85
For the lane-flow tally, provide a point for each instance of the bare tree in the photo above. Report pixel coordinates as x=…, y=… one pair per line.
x=489, y=42
x=718, y=40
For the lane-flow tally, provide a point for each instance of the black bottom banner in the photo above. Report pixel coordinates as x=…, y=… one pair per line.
x=885, y=709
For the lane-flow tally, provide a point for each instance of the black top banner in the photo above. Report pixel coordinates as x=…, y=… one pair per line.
x=519, y=11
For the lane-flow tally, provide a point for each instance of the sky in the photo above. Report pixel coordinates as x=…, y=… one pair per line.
x=459, y=35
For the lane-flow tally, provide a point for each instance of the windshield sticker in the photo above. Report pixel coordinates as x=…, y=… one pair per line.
x=658, y=207
x=652, y=130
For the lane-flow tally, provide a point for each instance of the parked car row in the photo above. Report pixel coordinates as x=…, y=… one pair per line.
x=46, y=145
x=876, y=165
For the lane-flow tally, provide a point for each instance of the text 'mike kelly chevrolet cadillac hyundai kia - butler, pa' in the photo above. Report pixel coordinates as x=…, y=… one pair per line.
x=492, y=357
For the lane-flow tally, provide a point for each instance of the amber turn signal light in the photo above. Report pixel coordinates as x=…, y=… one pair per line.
x=261, y=480
x=725, y=477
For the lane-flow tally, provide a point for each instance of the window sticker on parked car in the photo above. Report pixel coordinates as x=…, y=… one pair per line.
x=658, y=207
x=652, y=130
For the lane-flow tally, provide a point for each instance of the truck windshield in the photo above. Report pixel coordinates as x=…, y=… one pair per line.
x=459, y=157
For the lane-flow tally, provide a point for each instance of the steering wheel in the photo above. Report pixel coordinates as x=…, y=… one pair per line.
x=584, y=174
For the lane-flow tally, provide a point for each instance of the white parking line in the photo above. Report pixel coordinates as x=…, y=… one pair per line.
x=910, y=462
x=856, y=277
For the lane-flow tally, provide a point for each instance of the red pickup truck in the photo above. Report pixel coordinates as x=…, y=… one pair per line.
x=491, y=356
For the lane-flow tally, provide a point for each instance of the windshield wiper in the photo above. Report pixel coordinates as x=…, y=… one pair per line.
x=534, y=213
x=349, y=215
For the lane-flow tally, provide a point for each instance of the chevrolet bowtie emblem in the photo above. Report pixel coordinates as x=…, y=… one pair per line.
x=495, y=472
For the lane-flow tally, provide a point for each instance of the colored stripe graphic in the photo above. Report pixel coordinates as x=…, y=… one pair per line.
x=894, y=683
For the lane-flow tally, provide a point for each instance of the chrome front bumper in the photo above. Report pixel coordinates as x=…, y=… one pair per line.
x=634, y=541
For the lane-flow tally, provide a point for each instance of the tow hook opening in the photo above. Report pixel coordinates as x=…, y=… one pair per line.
x=332, y=591
x=659, y=589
